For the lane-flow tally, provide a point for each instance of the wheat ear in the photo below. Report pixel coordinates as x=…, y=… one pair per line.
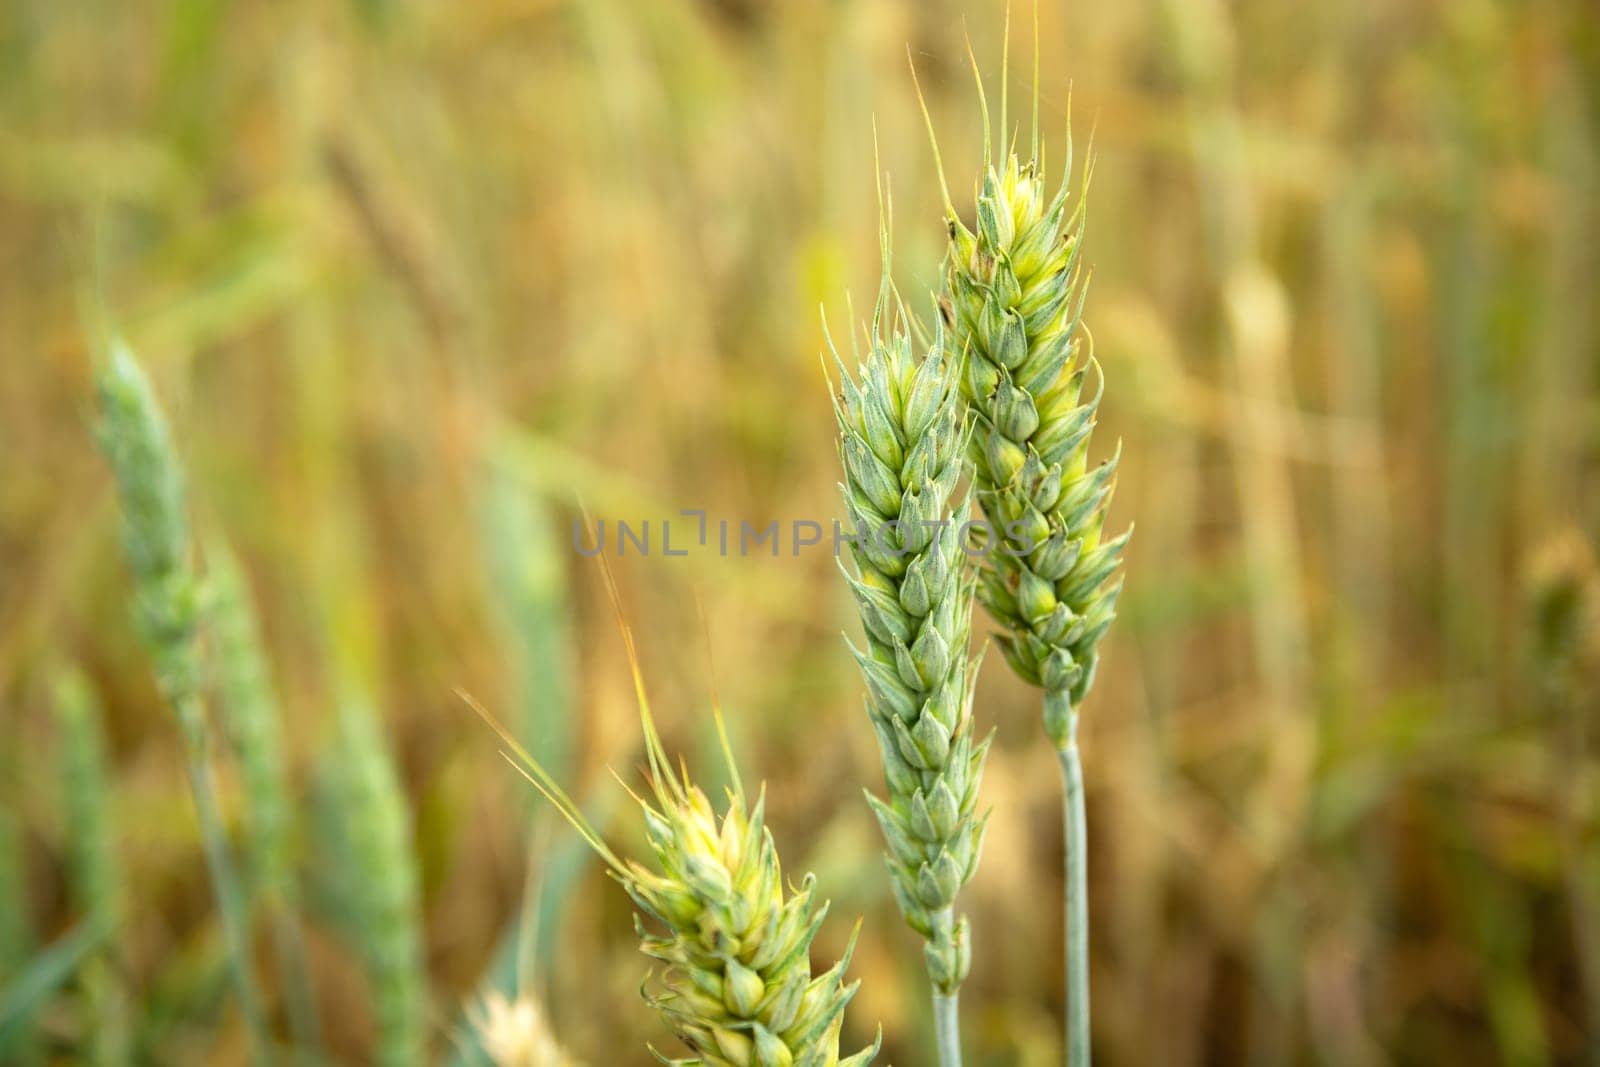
x=252, y=720
x=384, y=907
x=713, y=907
x=168, y=606
x=515, y=1032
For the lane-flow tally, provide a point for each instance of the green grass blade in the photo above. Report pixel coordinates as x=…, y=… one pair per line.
x=48, y=972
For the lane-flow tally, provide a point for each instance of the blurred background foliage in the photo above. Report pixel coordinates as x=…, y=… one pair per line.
x=411, y=278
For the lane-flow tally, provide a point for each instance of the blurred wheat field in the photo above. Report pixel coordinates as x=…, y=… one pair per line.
x=418, y=281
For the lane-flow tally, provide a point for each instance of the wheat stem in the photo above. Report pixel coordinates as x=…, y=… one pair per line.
x=224, y=875
x=1075, y=899
x=946, y=1006
x=947, y=1027
x=289, y=946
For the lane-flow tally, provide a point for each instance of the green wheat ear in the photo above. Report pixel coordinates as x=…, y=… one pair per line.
x=902, y=435
x=253, y=726
x=380, y=883
x=713, y=906
x=134, y=437
x=252, y=721
x=1013, y=301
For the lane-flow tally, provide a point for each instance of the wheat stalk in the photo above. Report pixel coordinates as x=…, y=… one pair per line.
x=901, y=440
x=1013, y=300
x=168, y=607
x=95, y=874
x=738, y=988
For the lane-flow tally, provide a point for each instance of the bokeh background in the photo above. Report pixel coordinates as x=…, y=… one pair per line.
x=414, y=278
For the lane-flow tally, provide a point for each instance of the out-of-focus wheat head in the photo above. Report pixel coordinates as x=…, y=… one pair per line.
x=515, y=1033
x=1014, y=292
x=252, y=723
x=901, y=440
x=385, y=910
x=155, y=530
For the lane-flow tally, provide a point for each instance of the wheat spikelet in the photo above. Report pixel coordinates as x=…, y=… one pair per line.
x=902, y=439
